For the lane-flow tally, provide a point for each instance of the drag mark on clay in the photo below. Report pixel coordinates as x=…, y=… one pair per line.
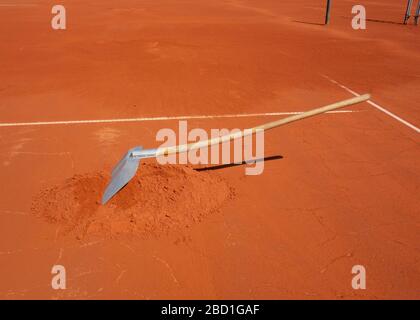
x=20, y=213
x=344, y=256
x=18, y=5
x=117, y=280
x=10, y=252
x=14, y=153
x=166, y=264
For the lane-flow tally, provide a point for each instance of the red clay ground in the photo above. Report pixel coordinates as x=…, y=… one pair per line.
x=344, y=193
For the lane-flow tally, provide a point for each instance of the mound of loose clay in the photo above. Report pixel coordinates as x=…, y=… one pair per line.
x=157, y=199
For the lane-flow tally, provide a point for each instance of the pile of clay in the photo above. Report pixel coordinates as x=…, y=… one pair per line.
x=158, y=199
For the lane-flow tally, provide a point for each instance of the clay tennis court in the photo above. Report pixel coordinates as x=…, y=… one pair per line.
x=338, y=190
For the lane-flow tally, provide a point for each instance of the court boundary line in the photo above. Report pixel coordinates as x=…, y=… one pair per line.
x=375, y=105
x=143, y=119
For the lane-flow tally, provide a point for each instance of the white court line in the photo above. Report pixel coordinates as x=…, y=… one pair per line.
x=45, y=123
x=393, y=115
x=18, y=5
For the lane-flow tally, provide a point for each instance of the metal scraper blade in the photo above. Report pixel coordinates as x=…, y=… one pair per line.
x=123, y=172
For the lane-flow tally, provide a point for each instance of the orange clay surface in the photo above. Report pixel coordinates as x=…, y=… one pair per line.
x=344, y=192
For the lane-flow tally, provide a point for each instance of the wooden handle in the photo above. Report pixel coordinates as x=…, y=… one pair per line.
x=267, y=126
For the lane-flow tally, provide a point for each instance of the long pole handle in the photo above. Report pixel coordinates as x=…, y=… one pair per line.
x=267, y=126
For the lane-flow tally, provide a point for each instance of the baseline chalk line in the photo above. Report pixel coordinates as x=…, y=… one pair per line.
x=269, y=114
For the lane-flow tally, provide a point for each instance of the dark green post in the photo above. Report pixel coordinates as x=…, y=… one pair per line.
x=408, y=11
x=327, y=15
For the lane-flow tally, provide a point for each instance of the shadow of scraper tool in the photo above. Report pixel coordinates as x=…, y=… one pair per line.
x=125, y=170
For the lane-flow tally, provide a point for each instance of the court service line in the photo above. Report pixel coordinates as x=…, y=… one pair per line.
x=242, y=115
x=377, y=106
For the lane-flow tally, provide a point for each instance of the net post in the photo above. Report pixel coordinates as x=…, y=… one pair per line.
x=416, y=17
x=407, y=11
x=327, y=14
